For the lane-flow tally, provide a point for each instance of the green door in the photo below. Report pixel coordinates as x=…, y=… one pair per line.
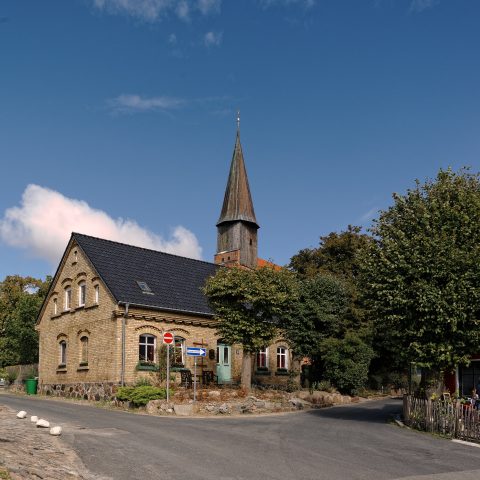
x=224, y=363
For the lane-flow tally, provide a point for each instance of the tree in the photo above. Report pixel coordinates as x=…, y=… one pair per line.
x=421, y=276
x=338, y=255
x=249, y=305
x=20, y=302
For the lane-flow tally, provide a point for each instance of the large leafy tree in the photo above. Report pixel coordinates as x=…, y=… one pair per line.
x=250, y=305
x=20, y=301
x=421, y=277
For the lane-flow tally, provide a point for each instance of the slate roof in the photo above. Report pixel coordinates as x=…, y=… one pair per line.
x=237, y=203
x=175, y=281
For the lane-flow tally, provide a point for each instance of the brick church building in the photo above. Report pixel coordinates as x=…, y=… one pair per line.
x=102, y=321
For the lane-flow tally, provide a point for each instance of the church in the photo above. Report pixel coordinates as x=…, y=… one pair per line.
x=102, y=322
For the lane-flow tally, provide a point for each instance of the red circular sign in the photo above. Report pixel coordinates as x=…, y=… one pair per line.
x=168, y=338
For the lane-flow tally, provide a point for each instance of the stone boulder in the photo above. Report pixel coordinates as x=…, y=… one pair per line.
x=22, y=414
x=56, y=431
x=183, y=410
x=42, y=423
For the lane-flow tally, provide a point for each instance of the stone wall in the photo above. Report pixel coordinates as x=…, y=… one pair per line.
x=85, y=391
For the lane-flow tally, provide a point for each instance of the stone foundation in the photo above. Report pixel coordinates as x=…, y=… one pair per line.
x=85, y=391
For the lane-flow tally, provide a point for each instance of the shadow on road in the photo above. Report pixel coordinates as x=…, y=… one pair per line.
x=374, y=412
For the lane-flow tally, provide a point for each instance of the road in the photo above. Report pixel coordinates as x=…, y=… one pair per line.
x=341, y=443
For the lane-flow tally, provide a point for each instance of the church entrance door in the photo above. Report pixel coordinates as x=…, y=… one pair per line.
x=224, y=363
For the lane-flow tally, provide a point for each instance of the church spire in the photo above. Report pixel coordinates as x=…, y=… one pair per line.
x=237, y=203
x=237, y=226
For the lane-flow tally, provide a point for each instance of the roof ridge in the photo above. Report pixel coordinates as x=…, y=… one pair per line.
x=75, y=234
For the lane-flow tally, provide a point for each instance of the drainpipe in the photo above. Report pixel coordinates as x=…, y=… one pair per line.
x=124, y=319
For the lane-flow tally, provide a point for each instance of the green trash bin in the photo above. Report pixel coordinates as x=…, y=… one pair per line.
x=31, y=386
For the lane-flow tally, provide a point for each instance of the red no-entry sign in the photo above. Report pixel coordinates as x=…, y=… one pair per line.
x=168, y=338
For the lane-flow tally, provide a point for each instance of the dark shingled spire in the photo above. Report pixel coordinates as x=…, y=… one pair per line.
x=237, y=204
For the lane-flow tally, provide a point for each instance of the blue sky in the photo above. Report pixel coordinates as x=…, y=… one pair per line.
x=120, y=115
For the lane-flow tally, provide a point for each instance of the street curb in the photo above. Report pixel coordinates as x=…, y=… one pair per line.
x=463, y=442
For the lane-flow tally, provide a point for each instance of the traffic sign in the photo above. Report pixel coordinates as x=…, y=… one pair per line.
x=168, y=338
x=196, y=352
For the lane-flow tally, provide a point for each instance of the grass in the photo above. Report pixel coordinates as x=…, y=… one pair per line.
x=4, y=475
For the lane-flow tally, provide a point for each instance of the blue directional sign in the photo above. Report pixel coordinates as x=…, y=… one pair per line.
x=196, y=352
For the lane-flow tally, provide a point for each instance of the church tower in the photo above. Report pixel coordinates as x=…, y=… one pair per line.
x=237, y=226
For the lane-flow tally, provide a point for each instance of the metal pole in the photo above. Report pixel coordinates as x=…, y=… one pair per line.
x=168, y=372
x=195, y=380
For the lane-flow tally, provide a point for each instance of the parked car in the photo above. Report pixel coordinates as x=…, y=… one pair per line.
x=2, y=382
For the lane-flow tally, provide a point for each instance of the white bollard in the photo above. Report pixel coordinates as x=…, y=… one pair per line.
x=43, y=423
x=56, y=431
x=22, y=414
x=34, y=419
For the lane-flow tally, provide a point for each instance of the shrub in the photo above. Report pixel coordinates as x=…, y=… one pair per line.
x=143, y=381
x=346, y=362
x=140, y=395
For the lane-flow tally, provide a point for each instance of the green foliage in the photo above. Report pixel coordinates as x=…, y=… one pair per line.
x=319, y=313
x=250, y=304
x=142, y=382
x=421, y=277
x=140, y=395
x=346, y=361
x=20, y=302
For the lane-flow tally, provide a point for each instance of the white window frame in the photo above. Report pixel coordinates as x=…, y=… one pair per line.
x=282, y=354
x=63, y=352
x=55, y=306
x=262, y=354
x=82, y=294
x=182, y=343
x=97, y=294
x=146, y=344
x=68, y=298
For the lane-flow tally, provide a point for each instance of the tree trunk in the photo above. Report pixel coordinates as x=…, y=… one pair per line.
x=297, y=369
x=247, y=371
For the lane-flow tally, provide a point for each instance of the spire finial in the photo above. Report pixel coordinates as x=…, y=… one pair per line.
x=238, y=120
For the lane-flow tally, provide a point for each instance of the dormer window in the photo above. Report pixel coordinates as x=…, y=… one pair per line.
x=144, y=287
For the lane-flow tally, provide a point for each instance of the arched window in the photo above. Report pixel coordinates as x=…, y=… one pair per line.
x=84, y=350
x=68, y=298
x=82, y=294
x=262, y=359
x=178, y=358
x=282, y=358
x=63, y=352
x=146, y=348
x=97, y=294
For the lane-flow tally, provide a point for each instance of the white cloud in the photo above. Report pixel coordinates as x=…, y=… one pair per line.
x=213, y=39
x=369, y=215
x=209, y=6
x=284, y=3
x=172, y=39
x=129, y=103
x=154, y=10
x=421, y=5
x=45, y=219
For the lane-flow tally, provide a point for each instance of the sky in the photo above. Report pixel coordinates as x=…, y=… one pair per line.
x=118, y=117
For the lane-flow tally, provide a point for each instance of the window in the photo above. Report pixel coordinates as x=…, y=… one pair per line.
x=282, y=358
x=63, y=353
x=146, y=348
x=84, y=350
x=179, y=352
x=97, y=294
x=144, y=288
x=82, y=294
x=55, y=306
x=68, y=298
x=262, y=359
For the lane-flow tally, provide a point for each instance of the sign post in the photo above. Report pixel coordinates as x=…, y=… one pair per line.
x=167, y=340
x=195, y=352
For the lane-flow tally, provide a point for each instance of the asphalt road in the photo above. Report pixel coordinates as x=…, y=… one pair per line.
x=341, y=443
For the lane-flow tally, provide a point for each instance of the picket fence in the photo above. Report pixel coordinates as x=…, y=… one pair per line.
x=445, y=417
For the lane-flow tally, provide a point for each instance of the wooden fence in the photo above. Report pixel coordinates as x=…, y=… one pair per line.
x=444, y=417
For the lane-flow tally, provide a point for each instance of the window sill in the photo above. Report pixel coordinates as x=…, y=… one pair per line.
x=148, y=368
x=82, y=368
x=57, y=315
x=263, y=372
x=61, y=369
x=80, y=307
x=95, y=305
x=281, y=373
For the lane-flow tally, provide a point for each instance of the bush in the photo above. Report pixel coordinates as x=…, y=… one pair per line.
x=346, y=362
x=143, y=381
x=141, y=395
